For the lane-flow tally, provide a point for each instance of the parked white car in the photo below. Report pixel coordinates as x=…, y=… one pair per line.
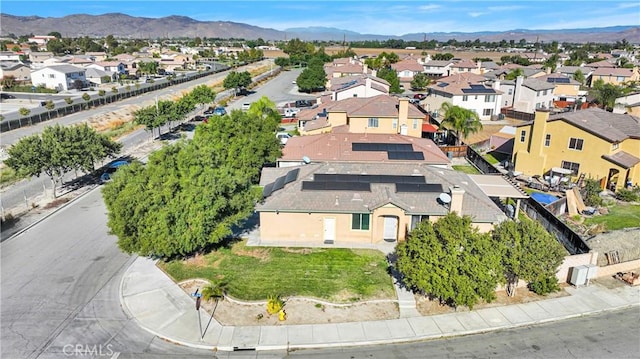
x=283, y=137
x=245, y=106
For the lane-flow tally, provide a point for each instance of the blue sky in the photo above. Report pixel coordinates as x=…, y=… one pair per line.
x=375, y=17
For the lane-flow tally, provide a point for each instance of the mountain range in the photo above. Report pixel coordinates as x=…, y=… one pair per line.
x=125, y=26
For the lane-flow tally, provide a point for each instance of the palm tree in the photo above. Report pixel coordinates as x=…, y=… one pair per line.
x=460, y=120
x=213, y=291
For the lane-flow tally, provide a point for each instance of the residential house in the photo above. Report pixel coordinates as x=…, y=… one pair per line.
x=98, y=77
x=6, y=56
x=110, y=66
x=361, y=147
x=378, y=114
x=464, y=66
x=609, y=63
x=345, y=67
x=406, y=70
x=629, y=103
x=361, y=85
x=80, y=60
x=41, y=39
x=60, y=77
x=570, y=71
x=39, y=57
x=535, y=57
x=615, y=76
x=566, y=91
x=600, y=144
x=346, y=204
x=466, y=90
x=438, y=68
x=20, y=71
x=527, y=95
x=97, y=56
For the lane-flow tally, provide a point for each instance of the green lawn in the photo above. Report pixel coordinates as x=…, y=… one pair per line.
x=495, y=158
x=254, y=273
x=620, y=216
x=468, y=169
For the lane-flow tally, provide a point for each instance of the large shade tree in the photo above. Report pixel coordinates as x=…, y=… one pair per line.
x=190, y=195
x=451, y=261
x=460, y=120
x=605, y=93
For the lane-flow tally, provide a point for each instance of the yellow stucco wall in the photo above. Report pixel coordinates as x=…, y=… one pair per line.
x=566, y=90
x=536, y=159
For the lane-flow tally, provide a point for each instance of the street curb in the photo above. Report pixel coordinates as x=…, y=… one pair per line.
x=416, y=338
x=56, y=210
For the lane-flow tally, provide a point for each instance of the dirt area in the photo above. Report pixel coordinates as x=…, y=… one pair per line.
x=306, y=311
x=523, y=295
x=298, y=310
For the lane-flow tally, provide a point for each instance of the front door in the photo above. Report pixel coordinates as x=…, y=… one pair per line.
x=329, y=230
x=390, y=229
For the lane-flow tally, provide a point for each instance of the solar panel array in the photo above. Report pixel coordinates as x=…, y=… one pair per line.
x=443, y=84
x=328, y=177
x=559, y=80
x=418, y=187
x=478, y=89
x=336, y=186
x=280, y=182
x=381, y=147
x=415, y=156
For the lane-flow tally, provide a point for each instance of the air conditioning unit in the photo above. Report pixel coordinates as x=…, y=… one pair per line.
x=579, y=275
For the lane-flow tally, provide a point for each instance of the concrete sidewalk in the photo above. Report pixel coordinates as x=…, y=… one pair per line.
x=164, y=309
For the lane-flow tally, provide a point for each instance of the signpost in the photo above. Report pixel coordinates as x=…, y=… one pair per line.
x=198, y=297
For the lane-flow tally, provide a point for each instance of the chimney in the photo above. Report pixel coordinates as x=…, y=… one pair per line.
x=457, y=195
x=403, y=112
x=365, y=68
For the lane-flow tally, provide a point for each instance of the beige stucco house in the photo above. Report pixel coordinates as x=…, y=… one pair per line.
x=378, y=114
x=364, y=204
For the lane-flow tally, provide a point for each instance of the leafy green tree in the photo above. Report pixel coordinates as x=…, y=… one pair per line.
x=237, y=80
x=8, y=82
x=202, y=94
x=461, y=120
x=579, y=76
x=25, y=156
x=56, y=34
x=60, y=149
x=592, y=192
x=531, y=253
x=605, y=94
x=443, y=56
x=101, y=92
x=148, y=67
x=420, y=81
x=391, y=76
x=313, y=78
x=189, y=195
x=451, y=261
x=552, y=62
x=68, y=100
x=513, y=74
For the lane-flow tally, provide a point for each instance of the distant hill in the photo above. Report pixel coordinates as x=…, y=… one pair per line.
x=122, y=25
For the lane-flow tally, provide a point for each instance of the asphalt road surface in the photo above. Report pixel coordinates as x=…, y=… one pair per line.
x=612, y=335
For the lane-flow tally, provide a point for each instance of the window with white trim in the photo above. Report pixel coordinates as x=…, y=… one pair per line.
x=415, y=123
x=416, y=220
x=547, y=140
x=360, y=221
x=490, y=98
x=487, y=112
x=394, y=123
x=373, y=122
x=576, y=144
x=465, y=98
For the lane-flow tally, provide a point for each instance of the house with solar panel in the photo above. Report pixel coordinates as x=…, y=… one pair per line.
x=468, y=90
x=363, y=204
x=566, y=90
x=591, y=142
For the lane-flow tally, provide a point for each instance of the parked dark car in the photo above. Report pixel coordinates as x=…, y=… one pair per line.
x=419, y=96
x=198, y=118
x=5, y=96
x=303, y=103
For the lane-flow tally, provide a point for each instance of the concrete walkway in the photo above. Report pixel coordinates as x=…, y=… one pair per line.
x=164, y=309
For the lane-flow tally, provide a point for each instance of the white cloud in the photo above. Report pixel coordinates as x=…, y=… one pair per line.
x=505, y=8
x=476, y=14
x=429, y=7
x=628, y=5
